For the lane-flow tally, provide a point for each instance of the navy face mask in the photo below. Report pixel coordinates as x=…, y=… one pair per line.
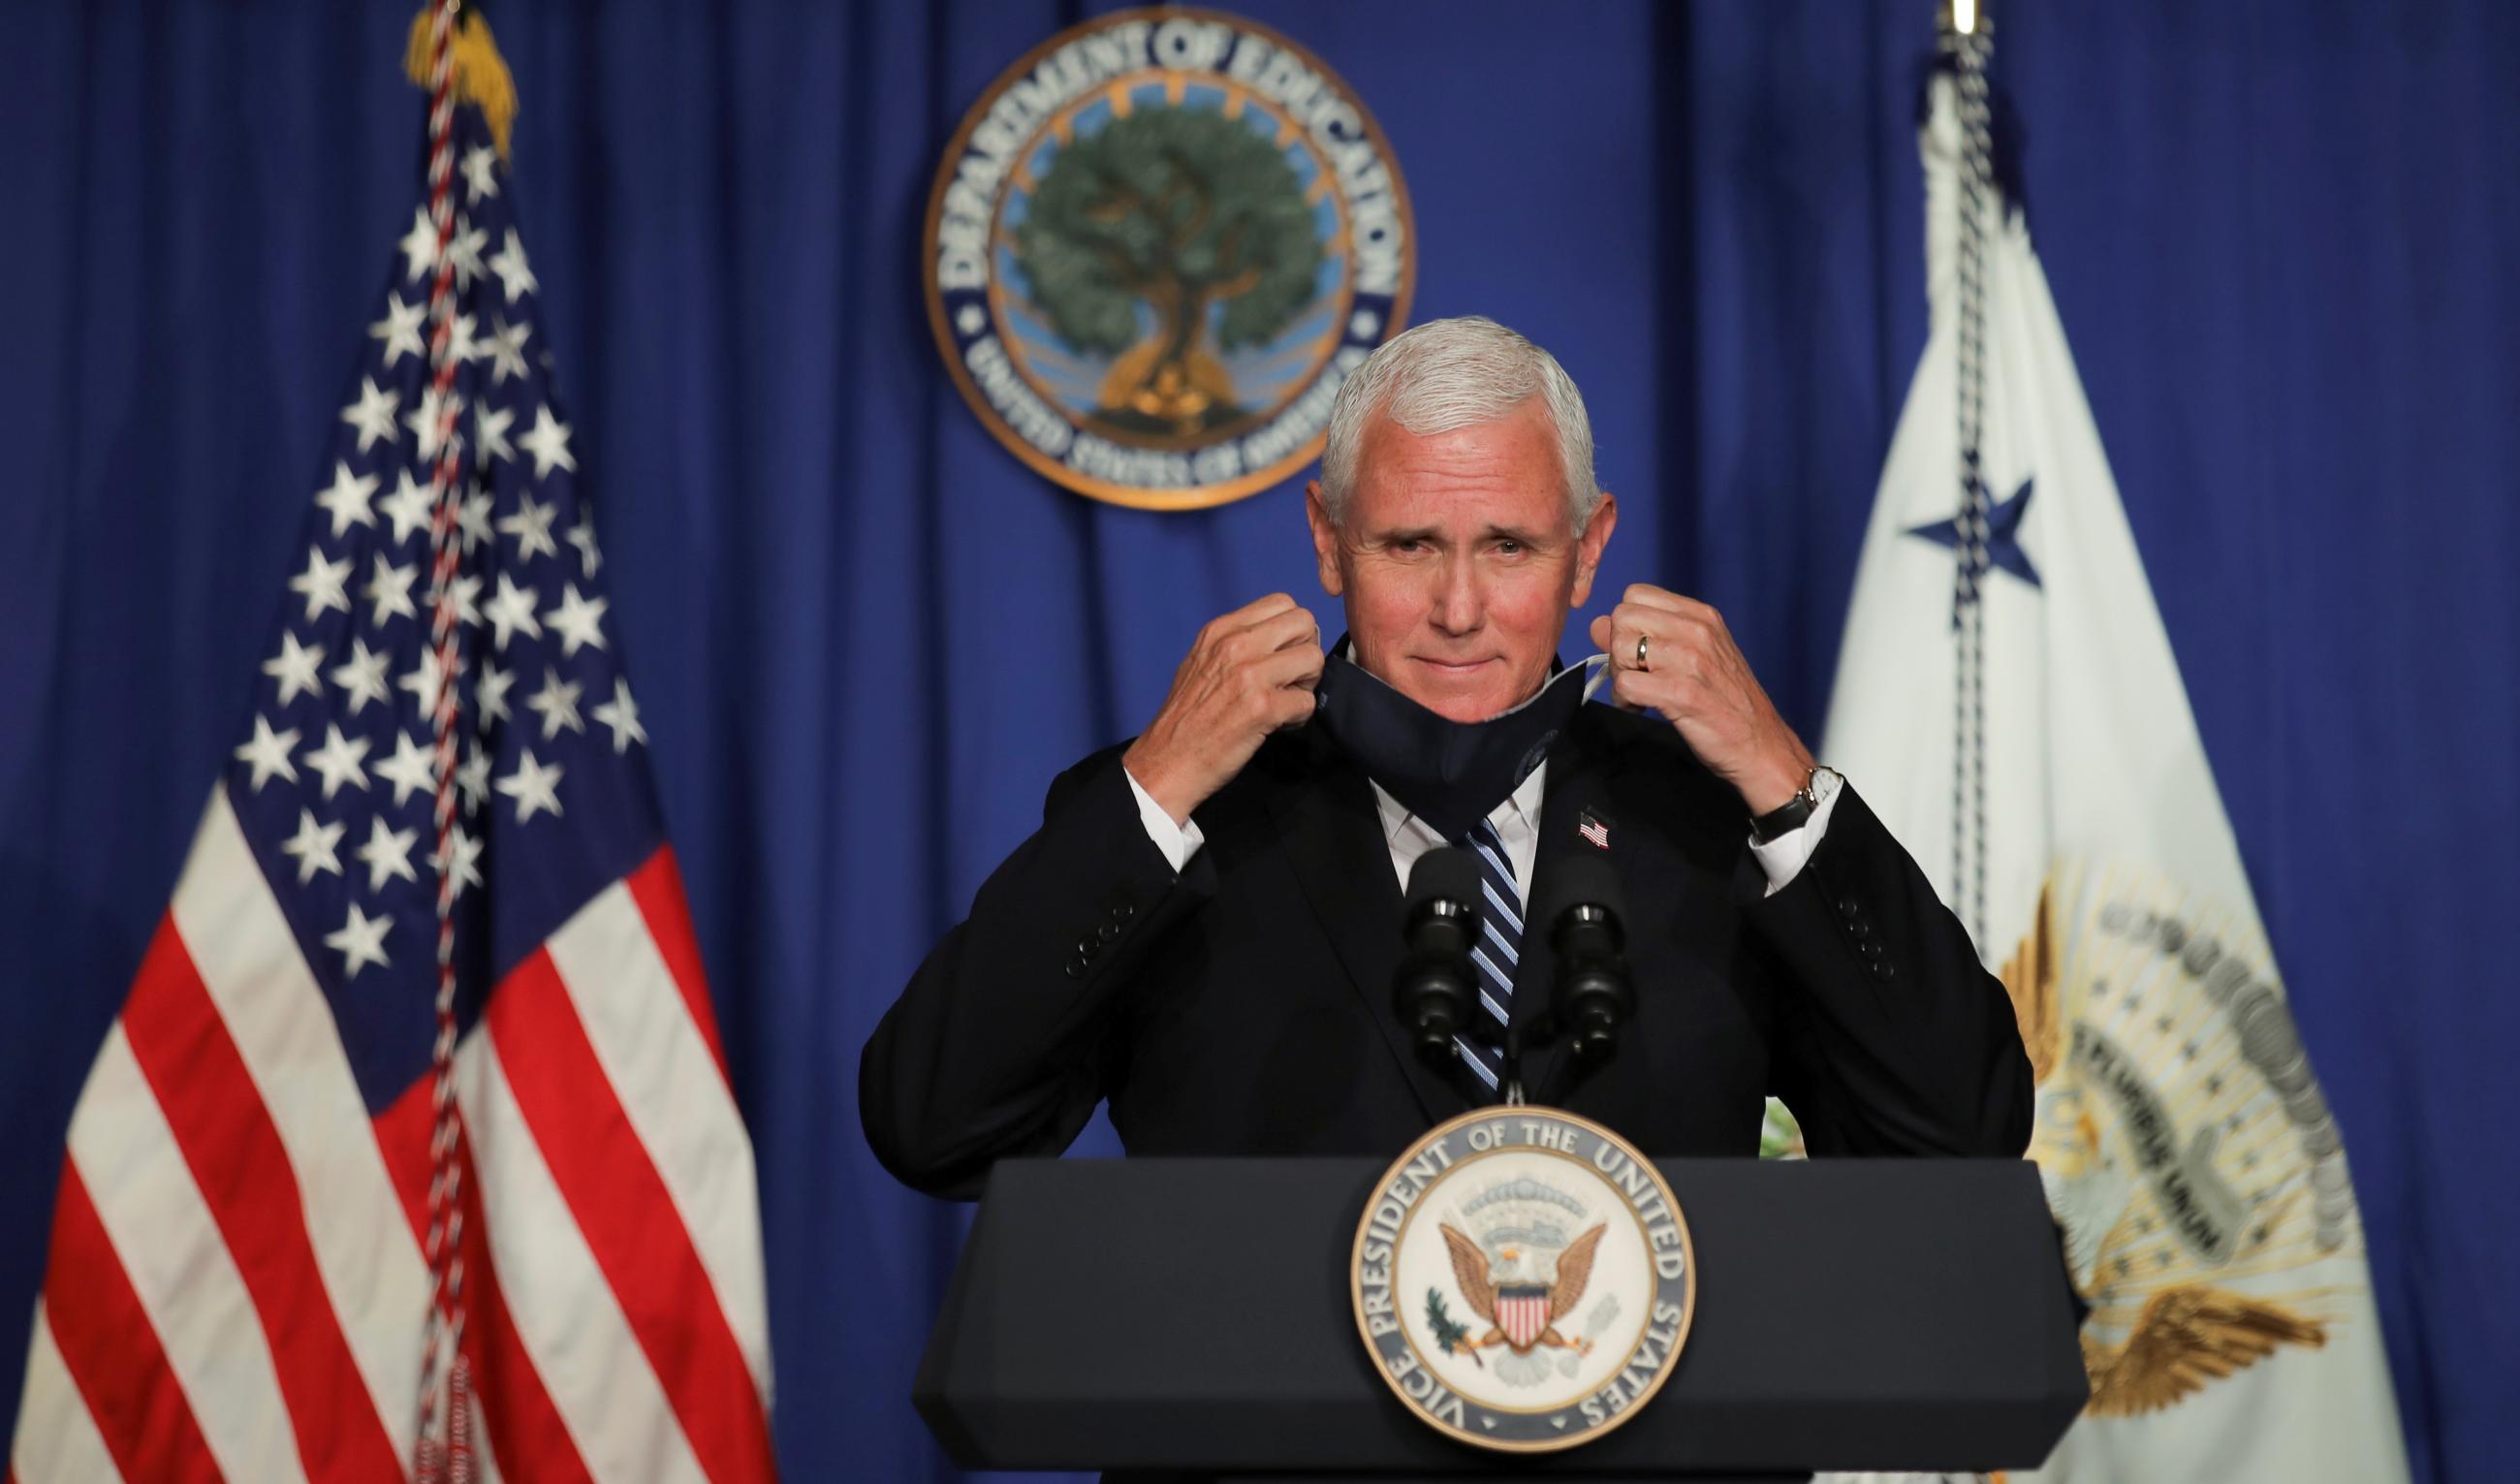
x=1448, y=772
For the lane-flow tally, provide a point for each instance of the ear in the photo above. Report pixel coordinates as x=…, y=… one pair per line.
x=1590, y=545
x=1324, y=539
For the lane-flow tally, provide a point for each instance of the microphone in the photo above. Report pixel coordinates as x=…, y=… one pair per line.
x=1436, y=986
x=1592, y=995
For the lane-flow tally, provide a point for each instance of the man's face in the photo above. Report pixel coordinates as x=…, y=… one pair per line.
x=1459, y=562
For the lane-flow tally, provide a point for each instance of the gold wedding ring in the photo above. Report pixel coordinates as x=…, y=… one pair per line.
x=1641, y=651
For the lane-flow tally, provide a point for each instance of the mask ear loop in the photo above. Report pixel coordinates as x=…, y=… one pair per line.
x=1594, y=682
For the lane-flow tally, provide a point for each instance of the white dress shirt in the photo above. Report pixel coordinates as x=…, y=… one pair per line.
x=1516, y=822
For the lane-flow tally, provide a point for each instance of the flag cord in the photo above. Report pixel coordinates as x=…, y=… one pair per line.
x=445, y=1459
x=1969, y=51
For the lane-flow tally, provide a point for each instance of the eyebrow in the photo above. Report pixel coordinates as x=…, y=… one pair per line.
x=1491, y=533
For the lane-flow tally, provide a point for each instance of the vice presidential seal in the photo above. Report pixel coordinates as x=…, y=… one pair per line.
x=1523, y=1278
x=1156, y=247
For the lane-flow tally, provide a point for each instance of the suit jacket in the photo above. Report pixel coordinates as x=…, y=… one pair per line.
x=1244, y=1006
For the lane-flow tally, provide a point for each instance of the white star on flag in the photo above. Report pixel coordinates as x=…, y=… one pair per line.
x=531, y=526
x=466, y=596
x=413, y=768
x=361, y=940
x=578, y=620
x=427, y=423
x=467, y=871
x=313, y=846
x=424, y=682
x=419, y=245
x=266, y=752
x=491, y=694
x=460, y=344
x=473, y=519
x=510, y=264
x=346, y=498
x=621, y=715
x=464, y=249
x=389, y=590
x=490, y=433
x=294, y=667
x=338, y=760
x=556, y=704
x=373, y=414
x=506, y=349
x=362, y=677
x=511, y=610
x=473, y=776
x=410, y=506
x=388, y=853
x=533, y=785
x=478, y=179
x=548, y=441
x=583, y=536
x=400, y=329
x=325, y=584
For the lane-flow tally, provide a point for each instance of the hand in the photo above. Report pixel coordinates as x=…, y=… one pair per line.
x=1249, y=674
x=1694, y=675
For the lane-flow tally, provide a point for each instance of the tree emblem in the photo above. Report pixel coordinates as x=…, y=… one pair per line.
x=1165, y=232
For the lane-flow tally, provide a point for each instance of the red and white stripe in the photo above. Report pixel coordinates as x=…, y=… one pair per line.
x=236, y=1280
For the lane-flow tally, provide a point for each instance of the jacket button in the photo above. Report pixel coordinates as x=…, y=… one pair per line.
x=1885, y=972
x=1858, y=928
x=1846, y=908
x=1125, y=911
x=1106, y=933
x=1872, y=950
x=1076, y=968
x=1085, y=947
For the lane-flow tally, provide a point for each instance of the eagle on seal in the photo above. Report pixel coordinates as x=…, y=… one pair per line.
x=1473, y=1271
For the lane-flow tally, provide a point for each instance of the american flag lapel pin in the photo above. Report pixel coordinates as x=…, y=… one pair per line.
x=1595, y=829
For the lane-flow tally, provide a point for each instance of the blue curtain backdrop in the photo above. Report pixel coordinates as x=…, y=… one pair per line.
x=2281, y=236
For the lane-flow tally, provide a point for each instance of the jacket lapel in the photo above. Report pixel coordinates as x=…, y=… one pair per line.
x=1333, y=838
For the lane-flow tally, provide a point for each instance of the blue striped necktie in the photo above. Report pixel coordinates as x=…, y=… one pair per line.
x=1499, y=950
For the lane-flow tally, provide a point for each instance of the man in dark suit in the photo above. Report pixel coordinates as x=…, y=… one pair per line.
x=1205, y=928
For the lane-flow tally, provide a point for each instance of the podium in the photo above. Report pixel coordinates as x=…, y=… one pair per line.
x=1194, y=1314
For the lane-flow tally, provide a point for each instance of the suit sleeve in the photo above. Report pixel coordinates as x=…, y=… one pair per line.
x=1007, y=1035
x=1893, y=1037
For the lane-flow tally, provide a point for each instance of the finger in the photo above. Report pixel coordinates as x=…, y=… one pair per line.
x=1601, y=633
x=1257, y=611
x=1646, y=595
x=1294, y=626
x=1296, y=665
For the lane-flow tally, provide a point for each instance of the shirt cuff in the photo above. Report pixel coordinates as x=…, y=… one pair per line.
x=1179, y=842
x=1781, y=858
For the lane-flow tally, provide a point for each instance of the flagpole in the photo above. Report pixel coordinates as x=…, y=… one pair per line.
x=1968, y=40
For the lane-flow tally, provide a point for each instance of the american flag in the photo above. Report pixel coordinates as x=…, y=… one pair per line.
x=238, y=1286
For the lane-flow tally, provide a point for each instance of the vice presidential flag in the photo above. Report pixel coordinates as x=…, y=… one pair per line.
x=2182, y=1134
x=238, y=1284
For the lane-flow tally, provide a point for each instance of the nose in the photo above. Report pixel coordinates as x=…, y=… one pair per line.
x=1458, y=607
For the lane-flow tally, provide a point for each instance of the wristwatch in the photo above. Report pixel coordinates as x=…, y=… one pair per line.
x=1795, y=812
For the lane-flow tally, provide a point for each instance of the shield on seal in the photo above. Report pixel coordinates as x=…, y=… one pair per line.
x=1522, y=1313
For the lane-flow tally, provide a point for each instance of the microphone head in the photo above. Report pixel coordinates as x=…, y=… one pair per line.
x=1445, y=873
x=1580, y=879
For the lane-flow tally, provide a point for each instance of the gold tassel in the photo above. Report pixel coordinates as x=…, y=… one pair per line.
x=476, y=72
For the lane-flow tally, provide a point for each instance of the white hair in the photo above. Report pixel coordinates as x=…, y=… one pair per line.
x=1452, y=374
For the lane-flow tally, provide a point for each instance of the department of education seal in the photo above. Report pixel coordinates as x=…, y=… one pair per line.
x=1523, y=1278
x=1157, y=246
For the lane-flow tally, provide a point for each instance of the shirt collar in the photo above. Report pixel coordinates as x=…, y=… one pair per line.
x=1521, y=805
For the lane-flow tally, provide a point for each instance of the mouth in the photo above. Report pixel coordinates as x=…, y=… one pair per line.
x=1453, y=669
